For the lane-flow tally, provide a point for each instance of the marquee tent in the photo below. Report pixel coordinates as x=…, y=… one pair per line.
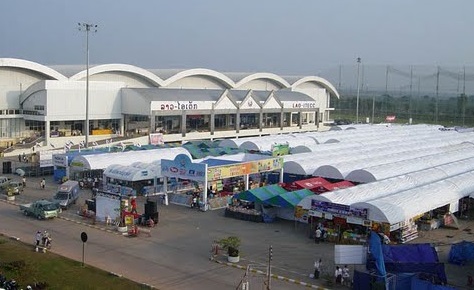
x=260, y=194
x=129, y=173
x=289, y=199
x=312, y=184
x=102, y=161
x=383, y=171
x=342, y=169
x=377, y=189
x=265, y=144
x=398, y=207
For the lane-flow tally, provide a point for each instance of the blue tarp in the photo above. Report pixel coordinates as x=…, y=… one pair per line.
x=461, y=253
x=375, y=246
x=413, y=253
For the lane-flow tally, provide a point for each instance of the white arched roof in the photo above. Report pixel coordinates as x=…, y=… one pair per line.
x=407, y=204
x=32, y=66
x=128, y=173
x=102, y=161
x=318, y=80
x=197, y=72
x=377, y=189
x=255, y=76
x=342, y=169
x=143, y=73
x=265, y=144
x=383, y=171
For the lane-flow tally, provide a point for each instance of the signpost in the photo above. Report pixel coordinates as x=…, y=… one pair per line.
x=84, y=240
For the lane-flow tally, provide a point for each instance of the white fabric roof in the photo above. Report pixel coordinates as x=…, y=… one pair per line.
x=383, y=171
x=407, y=204
x=265, y=144
x=128, y=173
x=342, y=169
x=102, y=161
x=377, y=189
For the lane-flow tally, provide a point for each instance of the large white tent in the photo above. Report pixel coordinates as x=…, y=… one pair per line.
x=265, y=144
x=342, y=169
x=102, y=161
x=378, y=189
x=128, y=173
x=399, y=207
x=383, y=171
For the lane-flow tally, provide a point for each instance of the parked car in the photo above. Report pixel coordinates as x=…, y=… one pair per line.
x=14, y=188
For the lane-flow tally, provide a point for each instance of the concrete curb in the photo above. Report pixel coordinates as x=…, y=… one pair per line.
x=277, y=277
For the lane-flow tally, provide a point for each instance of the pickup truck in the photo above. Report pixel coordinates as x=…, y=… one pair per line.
x=41, y=209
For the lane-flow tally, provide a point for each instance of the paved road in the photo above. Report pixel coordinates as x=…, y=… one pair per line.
x=176, y=256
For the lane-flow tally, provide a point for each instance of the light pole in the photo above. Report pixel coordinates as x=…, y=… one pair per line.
x=87, y=27
x=358, y=90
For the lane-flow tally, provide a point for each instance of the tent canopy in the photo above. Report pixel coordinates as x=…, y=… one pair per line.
x=129, y=173
x=289, y=199
x=260, y=194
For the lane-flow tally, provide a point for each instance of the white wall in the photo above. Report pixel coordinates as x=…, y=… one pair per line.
x=13, y=81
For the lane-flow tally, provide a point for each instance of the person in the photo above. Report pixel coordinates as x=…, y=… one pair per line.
x=46, y=239
x=317, y=269
x=42, y=183
x=24, y=156
x=346, y=276
x=194, y=203
x=19, y=157
x=338, y=275
x=38, y=238
x=23, y=180
x=317, y=235
x=133, y=202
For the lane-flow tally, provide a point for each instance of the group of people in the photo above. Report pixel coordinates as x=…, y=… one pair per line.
x=43, y=239
x=320, y=234
x=342, y=276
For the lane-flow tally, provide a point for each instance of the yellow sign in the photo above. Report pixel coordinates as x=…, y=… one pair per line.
x=227, y=171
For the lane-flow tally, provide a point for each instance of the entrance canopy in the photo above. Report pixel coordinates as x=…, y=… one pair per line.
x=260, y=194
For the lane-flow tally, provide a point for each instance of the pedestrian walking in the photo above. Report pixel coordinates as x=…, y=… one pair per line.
x=317, y=235
x=346, y=276
x=19, y=158
x=338, y=275
x=317, y=269
x=42, y=183
x=38, y=237
x=23, y=180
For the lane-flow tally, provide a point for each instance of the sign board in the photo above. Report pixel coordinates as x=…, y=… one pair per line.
x=60, y=160
x=391, y=118
x=300, y=105
x=280, y=149
x=183, y=167
x=181, y=105
x=46, y=157
x=257, y=166
x=350, y=254
x=156, y=139
x=339, y=209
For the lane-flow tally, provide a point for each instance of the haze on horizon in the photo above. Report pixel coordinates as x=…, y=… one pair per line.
x=280, y=36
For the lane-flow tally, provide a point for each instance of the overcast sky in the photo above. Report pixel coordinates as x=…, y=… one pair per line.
x=280, y=36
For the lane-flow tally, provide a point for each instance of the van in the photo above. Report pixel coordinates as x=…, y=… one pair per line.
x=67, y=194
x=4, y=181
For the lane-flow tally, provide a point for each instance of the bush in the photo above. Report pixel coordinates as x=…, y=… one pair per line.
x=231, y=244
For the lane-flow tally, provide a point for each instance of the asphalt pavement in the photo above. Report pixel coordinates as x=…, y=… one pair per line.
x=177, y=253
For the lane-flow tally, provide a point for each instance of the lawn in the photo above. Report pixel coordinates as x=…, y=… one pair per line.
x=19, y=261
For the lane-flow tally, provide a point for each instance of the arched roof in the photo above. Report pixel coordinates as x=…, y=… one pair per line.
x=265, y=144
x=407, y=204
x=32, y=66
x=323, y=82
x=102, y=161
x=129, y=173
x=392, y=185
x=270, y=76
x=143, y=73
x=200, y=71
x=383, y=171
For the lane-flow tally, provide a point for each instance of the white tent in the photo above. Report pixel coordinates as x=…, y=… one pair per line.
x=128, y=173
x=407, y=204
x=342, y=169
x=102, y=161
x=378, y=189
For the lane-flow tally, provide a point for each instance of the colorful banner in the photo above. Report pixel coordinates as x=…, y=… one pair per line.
x=339, y=209
x=280, y=149
x=156, y=139
x=183, y=167
x=227, y=171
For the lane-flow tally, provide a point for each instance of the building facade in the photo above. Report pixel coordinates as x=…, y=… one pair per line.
x=50, y=102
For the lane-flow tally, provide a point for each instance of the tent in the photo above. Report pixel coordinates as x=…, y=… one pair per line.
x=289, y=199
x=260, y=194
x=315, y=184
x=461, y=253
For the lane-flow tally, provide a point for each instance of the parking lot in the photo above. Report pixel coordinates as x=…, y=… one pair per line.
x=179, y=246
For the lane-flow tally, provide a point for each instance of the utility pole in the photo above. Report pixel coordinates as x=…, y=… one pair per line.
x=358, y=89
x=437, y=97
x=87, y=27
x=411, y=95
x=269, y=269
x=464, y=98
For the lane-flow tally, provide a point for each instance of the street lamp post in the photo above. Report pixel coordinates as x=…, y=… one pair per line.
x=87, y=27
x=358, y=89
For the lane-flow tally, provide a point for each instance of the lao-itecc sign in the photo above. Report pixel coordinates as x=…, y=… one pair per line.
x=183, y=167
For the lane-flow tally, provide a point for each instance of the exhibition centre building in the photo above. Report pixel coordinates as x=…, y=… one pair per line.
x=50, y=102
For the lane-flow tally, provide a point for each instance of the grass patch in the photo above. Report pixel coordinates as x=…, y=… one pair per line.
x=19, y=261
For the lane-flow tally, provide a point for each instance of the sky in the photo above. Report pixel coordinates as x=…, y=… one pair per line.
x=287, y=37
